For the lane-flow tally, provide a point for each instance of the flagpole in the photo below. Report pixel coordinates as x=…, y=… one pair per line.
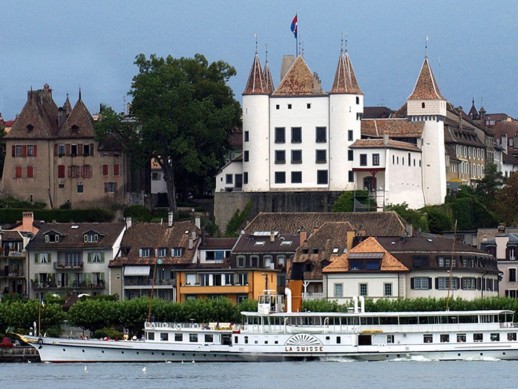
x=297, y=37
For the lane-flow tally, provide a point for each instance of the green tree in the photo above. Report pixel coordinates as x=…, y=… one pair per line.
x=507, y=201
x=488, y=186
x=439, y=218
x=185, y=111
x=412, y=216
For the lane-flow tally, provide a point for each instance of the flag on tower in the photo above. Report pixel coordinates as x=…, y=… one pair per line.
x=294, y=26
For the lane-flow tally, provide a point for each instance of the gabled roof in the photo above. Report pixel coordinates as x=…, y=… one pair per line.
x=389, y=263
x=79, y=124
x=255, y=84
x=155, y=236
x=426, y=87
x=299, y=81
x=72, y=236
x=345, y=79
x=381, y=144
x=39, y=117
x=395, y=128
x=374, y=223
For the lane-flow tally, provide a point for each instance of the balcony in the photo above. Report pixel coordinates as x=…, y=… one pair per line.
x=312, y=296
x=147, y=283
x=216, y=289
x=83, y=285
x=67, y=266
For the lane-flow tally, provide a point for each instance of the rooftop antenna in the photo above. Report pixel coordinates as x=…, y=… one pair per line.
x=426, y=47
x=255, y=37
x=79, y=93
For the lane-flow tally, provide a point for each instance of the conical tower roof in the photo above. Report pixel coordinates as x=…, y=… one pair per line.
x=255, y=84
x=79, y=124
x=299, y=81
x=426, y=87
x=345, y=80
x=268, y=79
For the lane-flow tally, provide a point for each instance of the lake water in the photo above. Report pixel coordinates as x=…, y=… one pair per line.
x=283, y=375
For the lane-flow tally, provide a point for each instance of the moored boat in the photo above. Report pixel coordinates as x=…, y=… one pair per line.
x=274, y=333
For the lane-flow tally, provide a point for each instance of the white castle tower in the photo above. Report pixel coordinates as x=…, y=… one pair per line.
x=426, y=104
x=345, y=113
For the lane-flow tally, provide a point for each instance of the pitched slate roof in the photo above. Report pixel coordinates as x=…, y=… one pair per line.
x=255, y=84
x=155, y=236
x=374, y=223
x=299, y=81
x=426, y=87
x=265, y=243
x=39, y=117
x=395, y=128
x=389, y=263
x=345, y=79
x=217, y=243
x=72, y=236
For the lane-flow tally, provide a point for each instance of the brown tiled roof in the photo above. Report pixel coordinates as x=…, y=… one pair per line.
x=218, y=243
x=11, y=235
x=299, y=81
x=380, y=144
x=377, y=113
x=345, y=79
x=268, y=79
x=72, y=235
x=79, y=123
x=255, y=84
x=395, y=128
x=374, y=223
x=40, y=113
x=389, y=263
x=281, y=243
x=154, y=236
x=426, y=87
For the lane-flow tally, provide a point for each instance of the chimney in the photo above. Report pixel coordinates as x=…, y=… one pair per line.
x=128, y=222
x=386, y=139
x=287, y=61
x=272, y=236
x=169, y=219
x=27, y=221
x=197, y=222
x=303, y=236
x=191, y=243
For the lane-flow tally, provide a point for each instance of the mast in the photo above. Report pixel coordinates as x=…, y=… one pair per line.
x=451, y=266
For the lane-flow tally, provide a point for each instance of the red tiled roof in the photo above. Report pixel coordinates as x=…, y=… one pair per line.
x=426, y=87
x=395, y=128
x=299, y=81
x=345, y=79
x=380, y=144
x=255, y=84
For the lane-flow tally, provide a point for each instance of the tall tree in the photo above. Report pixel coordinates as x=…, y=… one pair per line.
x=488, y=186
x=507, y=201
x=184, y=110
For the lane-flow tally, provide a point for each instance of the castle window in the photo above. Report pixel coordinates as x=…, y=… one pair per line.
x=321, y=136
x=80, y=187
x=296, y=177
x=280, y=135
x=308, y=106
x=61, y=150
x=375, y=159
x=296, y=135
x=73, y=150
x=246, y=156
x=363, y=159
x=74, y=128
x=350, y=155
x=350, y=135
x=30, y=127
x=228, y=178
x=351, y=176
x=320, y=156
x=423, y=105
x=31, y=150
x=277, y=106
x=322, y=177
x=280, y=177
x=289, y=106
x=357, y=100
x=245, y=177
x=280, y=156
x=110, y=187
x=296, y=156
x=74, y=171
x=247, y=136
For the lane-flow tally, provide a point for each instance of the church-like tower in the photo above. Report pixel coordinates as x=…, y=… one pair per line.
x=345, y=113
x=426, y=104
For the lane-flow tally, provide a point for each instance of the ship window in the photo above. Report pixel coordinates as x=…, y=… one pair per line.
x=246, y=339
x=428, y=338
x=209, y=338
x=163, y=336
x=178, y=337
x=390, y=338
x=478, y=337
x=338, y=340
x=461, y=338
x=445, y=338
x=495, y=337
x=511, y=336
x=193, y=338
x=151, y=336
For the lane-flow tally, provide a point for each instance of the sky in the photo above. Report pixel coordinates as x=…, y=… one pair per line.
x=91, y=45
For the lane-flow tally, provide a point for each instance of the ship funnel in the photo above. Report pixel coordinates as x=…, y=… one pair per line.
x=287, y=291
x=362, y=304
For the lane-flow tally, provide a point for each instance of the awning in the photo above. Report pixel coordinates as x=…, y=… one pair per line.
x=136, y=270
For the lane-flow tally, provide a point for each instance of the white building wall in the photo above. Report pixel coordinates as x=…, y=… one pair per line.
x=351, y=285
x=403, y=179
x=344, y=116
x=233, y=170
x=256, y=124
x=308, y=113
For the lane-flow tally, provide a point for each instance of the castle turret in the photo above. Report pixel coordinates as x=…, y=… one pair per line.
x=255, y=129
x=426, y=104
x=345, y=113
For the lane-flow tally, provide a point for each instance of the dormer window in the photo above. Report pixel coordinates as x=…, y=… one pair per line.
x=30, y=127
x=90, y=238
x=74, y=128
x=145, y=252
x=51, y=238
x=177, y=251
x=161, y=252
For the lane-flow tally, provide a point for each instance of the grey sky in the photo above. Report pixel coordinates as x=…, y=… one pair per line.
x=91, y=45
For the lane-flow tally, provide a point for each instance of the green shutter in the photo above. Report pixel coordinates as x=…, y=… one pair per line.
x=36, y=258
x=89, y=257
